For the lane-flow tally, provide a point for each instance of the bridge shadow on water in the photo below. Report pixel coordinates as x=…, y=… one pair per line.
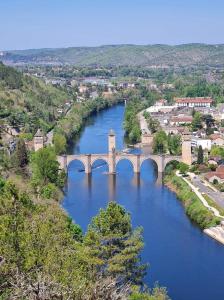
x=101, y=180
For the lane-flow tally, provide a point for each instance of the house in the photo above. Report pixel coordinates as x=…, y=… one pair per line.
x=217, y=176
x=161, y=102
x=83, y=89
x=217, y=139
x=206, y=144
x=201, y=133
x=180, y=120
x=194, y=102
x=38, y=141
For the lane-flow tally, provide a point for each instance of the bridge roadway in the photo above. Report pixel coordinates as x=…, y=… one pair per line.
x=112, y=160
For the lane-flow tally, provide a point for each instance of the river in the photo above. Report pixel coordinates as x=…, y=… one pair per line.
x=181, y=257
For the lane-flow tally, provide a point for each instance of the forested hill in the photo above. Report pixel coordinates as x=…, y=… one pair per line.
x=132, y=55
x=28, y=102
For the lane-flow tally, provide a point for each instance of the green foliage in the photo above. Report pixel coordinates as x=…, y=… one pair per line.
x=174, y=144
x=49, y=191
x=10, y=77
x=197, y=121
x=217, y=151
x=153, y=124
x=115, y=246
x=187, y=55
x=131, y=122
x=183, y=168
x=75, y=230
x=160, y=143
x=20, y=155
x=200, y=159
x=28, y=102
x=193, y=206
x=45, y=168
x=72, y=124
x=157, y=293
x=59, y=143
x=41, y=246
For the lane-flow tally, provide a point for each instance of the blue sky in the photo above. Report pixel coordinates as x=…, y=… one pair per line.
x=28, y=24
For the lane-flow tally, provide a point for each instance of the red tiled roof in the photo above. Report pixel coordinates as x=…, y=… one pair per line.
x=220, y=169
x=218, y=173
x=215, y=136
x=194, y=100
x=181, y=119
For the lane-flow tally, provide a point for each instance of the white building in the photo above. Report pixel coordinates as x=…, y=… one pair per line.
x=194, y=102
x=206, y=144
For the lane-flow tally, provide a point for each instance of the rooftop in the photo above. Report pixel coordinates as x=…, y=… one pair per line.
x=194, y=100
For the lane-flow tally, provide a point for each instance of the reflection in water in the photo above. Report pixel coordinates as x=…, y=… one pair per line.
x=88, y=182
x=136, y=180
x=180, y=255
x=112, y=187
x=159, y=180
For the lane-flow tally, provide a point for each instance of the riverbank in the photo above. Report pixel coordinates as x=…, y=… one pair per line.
x=74, y=121
x=194, y=208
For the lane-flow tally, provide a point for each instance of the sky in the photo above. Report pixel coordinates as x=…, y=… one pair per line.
x=29, y=24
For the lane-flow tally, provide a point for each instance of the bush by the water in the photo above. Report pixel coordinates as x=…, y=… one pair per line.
x=193, y=206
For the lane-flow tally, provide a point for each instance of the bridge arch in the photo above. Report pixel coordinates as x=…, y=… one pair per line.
x=120, y=159
x=149, y=159
x=82, y=163
x=98, y=160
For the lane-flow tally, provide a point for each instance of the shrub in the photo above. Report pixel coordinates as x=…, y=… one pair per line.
x=49, y=191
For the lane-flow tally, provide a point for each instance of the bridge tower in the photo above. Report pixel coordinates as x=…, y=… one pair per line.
x=186, y=148
x=112, y=152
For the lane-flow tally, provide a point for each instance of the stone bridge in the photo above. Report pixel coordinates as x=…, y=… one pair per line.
x=135, y=159
x=112, y=158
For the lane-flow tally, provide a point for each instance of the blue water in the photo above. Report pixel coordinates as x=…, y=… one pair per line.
x=181, y=257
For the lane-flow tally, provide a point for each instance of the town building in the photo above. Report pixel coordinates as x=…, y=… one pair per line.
x=180, y=120
x=194, y=102
x=217, y=176
x=38, y=141
x=217, y=139
x=161, y=102
x=206, y=144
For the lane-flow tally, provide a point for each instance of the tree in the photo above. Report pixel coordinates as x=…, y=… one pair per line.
x=160, y=142
x=183, y=168
x=197, y=121
x=115, y=246
x=200, y=159
x=20, y=155
x=45, y=167
x=59, y=143
x=174, y=144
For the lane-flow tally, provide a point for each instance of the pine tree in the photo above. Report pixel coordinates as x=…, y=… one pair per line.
x=21, y=156
x=200, y=155
x=114, y=246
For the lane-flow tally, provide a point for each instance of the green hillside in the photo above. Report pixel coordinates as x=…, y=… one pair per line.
x=28, y=102
x=133, y=55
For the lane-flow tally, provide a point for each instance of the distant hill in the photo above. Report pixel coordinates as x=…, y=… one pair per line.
x=120, y=55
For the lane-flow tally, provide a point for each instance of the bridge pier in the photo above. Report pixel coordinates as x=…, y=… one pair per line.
x=160, y=164
x=65, y=163
x=136, y=164
x=88, y=168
